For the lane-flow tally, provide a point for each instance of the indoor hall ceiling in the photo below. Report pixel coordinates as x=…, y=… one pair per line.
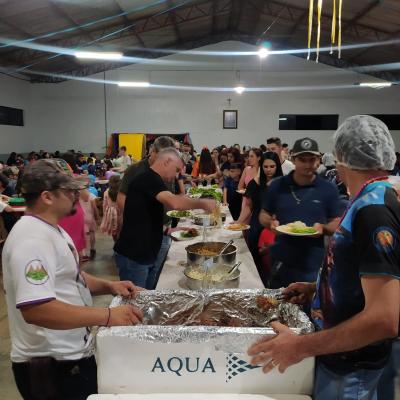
x=132, y=26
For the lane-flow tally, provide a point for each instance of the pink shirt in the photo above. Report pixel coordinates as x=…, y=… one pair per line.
x=74, y=225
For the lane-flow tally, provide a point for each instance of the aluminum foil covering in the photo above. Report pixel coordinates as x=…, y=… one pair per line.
x=178, y=316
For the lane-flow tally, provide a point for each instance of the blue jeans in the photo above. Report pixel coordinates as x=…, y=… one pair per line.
x=358, y=385
x=161, y=256
x=143, y=275
x=386, y=387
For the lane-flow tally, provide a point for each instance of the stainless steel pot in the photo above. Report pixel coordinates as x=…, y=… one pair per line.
x=195, y=258
x=194, y=283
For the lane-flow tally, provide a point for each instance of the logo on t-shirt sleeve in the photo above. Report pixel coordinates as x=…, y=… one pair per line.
x=385, y=239
x=36, y=273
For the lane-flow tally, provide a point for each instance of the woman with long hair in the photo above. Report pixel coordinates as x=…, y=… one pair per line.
x=269, y=168
x=205, y=168
x=249, y=173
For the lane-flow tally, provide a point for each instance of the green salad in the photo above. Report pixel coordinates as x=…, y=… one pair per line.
x=179, y=214
x=304, y=230
x=207, y=192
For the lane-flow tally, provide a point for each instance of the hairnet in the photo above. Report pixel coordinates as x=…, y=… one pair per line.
x=328, y=159
x=364, y=142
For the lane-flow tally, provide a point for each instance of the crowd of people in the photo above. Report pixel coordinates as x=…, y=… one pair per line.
x=346, y=275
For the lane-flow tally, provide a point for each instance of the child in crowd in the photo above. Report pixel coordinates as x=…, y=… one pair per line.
x=91, y=216
x=112, y=216
x=266, y=240
x=231, y=196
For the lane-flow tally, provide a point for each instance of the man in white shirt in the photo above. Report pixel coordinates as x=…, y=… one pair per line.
x=274, y=144
x=49, y=300
x=123, y=161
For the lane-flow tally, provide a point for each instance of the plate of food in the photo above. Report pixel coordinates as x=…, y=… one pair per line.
x=297, y=228
x=235, y=227
x=179, y=214
x=186, y=234
x=241, y=191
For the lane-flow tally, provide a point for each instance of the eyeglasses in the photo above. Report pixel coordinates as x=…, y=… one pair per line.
x=69, y=192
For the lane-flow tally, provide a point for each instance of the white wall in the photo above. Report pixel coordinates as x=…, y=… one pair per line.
x=15, y=93
x=71, y=114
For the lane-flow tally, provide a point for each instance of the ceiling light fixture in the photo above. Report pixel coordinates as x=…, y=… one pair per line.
x=92, y=55
x=240, y=89
x=134, y=84
x=263, y=53
x=376, y=85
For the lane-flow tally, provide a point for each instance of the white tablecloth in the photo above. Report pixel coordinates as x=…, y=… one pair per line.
x=172, y=274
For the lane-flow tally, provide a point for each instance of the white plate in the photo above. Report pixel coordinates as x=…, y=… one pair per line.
x=177, y=235
x=170, y=214
x=283, y=229
x=244, y=228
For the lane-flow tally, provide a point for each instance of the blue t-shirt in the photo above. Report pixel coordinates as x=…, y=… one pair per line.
x=365, y=244
x=289, y=202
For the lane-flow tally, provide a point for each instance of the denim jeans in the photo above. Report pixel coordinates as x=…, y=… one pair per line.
x=143, y=275
x=358, y=385
x=386, y=387
x=161, y=256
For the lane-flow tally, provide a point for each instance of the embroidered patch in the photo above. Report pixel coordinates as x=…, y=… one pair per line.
x=385, y=239
x=306, y=144
x=35, y=273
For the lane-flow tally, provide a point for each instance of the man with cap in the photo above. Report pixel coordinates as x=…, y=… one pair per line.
x=49, y=300
x=356, y=299
x=300, y=196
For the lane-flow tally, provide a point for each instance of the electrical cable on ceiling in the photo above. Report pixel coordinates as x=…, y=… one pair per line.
x=86, y=25
x=106, y=36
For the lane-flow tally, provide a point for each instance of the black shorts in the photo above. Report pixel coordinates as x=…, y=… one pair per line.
x=45, y=378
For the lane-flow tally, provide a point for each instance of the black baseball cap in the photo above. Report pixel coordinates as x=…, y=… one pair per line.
x=48, y=175
x=305, y=145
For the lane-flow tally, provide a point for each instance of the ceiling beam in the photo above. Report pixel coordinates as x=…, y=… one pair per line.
x=361, y=14
x=174, y=20
x=64, y=14
x=298, y=23
x=127, y=22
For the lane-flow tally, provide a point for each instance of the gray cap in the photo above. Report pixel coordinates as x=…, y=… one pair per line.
x=48, y=175
x=363, y=142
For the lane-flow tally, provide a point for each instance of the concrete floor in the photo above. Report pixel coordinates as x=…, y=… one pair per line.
x=103, y=266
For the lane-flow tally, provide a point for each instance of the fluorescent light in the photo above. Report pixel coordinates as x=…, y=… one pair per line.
x=376, y=85
x=239, y=89
x=133, y=84
x=263, y=52
x=282, y=119
x=92, y=55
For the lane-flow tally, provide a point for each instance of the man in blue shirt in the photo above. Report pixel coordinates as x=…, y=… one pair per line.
x=300, y=196
x=357, y=295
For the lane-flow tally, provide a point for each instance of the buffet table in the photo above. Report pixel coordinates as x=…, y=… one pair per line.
x=172, y=274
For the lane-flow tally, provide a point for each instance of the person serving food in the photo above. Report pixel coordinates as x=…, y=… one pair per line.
x=49, y=300
x=355, y=303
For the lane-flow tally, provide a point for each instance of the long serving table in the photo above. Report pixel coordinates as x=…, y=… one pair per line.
x=172, y=276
